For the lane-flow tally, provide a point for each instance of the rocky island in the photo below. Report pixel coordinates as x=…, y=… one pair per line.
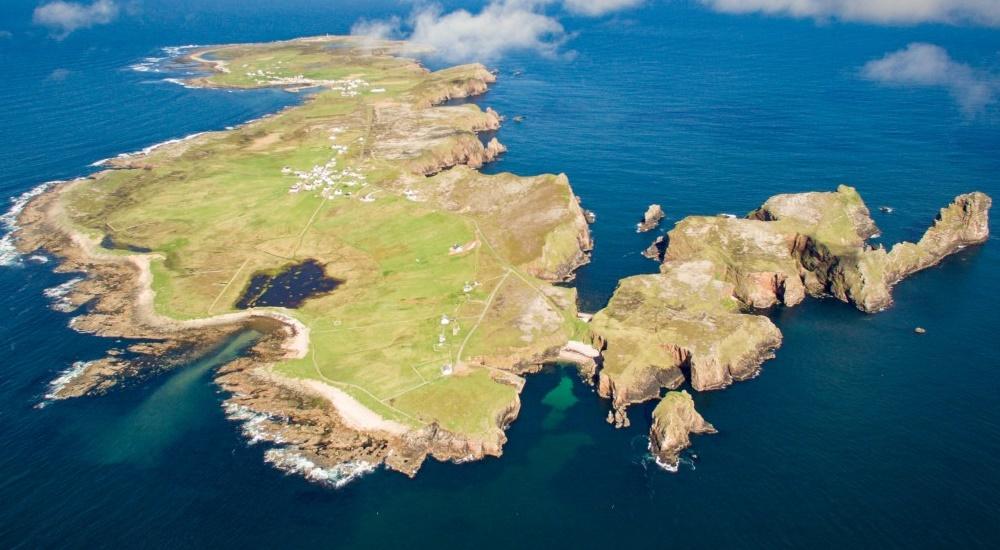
x=650, y=219
x=674, y=420
x=700, y=320
x=400, y=294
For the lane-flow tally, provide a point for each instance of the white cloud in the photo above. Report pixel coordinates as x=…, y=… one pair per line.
x=501, y=27
x=378, y=28
x=62, y=18
x=927, y=65
x=385, y=29
x=594, y=8
x=906, y=12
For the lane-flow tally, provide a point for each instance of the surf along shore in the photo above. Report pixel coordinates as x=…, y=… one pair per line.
x=421, y=349
x=445, y=291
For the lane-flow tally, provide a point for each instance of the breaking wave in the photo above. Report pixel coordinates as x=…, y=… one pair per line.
x=253, y=424
x=156, y=64
x=146, y=150
x=8, y=252
x=61, y=381
x=255, y=427
x=58, y=294
x=180, y=82
x=149, y=65
x=337, y=476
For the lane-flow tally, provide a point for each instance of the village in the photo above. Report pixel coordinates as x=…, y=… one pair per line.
x=268, y=77
x=330, y=182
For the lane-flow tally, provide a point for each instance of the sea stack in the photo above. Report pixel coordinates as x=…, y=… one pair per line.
x=650, y=219
x=674, y=420
x=494, y=149
x=655, y=251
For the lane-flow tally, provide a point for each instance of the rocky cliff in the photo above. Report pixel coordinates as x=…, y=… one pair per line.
x=674, y=420
x=831, y=231
x=651, y=219
x=698, y=319
x=658, y=327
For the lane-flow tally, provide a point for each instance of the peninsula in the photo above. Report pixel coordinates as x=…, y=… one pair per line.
x=401, y=294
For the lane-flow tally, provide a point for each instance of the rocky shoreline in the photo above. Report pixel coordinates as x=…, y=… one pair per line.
x=674, y=420
x=309, y=434
x=114, y=297
x=699, y=320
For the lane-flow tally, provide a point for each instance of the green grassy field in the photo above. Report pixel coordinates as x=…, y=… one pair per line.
x=217, y=209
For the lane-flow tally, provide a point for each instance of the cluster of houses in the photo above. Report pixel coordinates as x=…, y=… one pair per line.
x=326, y=178
x=347, y=88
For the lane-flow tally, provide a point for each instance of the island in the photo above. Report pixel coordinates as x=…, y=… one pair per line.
x=702, y=321
x=400, y=295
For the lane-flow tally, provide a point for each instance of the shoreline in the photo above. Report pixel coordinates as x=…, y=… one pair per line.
x=119, y=291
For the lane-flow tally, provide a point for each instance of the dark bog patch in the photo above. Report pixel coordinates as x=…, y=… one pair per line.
x=289, y=287
x=110, y=243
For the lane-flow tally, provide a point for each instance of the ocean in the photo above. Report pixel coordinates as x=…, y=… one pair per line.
x=859, y=433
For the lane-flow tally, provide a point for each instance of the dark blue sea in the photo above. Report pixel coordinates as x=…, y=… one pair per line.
x=859, y=434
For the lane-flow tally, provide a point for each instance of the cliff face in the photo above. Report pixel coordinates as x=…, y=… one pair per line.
x=536, y=221
x=674, y=420
x=964, y=222
x=657, y=327
x=834, y=257
x=696, y=319
x=444, y=268
x=454, y=83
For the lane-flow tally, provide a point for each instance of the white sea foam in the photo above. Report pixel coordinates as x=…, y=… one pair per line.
x=672, y=468
x=18, y=203
x=58, y=295
x=174, y=51
x=146, y=66
x=337, y=476
x=154, y=64
x=8, y=252
x=180, y=82
x=147, y=150
x=64, y=378
x=253, y=424
x=162, y=64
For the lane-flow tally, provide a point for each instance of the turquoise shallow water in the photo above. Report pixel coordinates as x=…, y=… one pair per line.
x=859, y=433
